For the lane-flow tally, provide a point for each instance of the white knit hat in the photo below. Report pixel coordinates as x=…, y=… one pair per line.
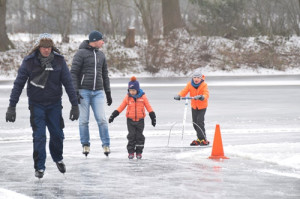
x=197, y=73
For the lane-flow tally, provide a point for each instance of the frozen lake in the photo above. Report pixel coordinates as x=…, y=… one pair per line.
x=259, y=118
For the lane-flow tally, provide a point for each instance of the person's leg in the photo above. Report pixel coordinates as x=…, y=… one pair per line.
x=55, y=124
x=131, y=136
x=198, y=123
x=38, y=124
x=84, y=110
x=98, y=106
x=140, y=138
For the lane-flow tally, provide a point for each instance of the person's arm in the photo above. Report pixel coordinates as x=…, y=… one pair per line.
x=184, y=91
x=150, y=110
x=123, y=104
x=66, y=80
x=106, y=81
x=205, y=92
x=76, y=69
x=19, y=84
x=147, y=104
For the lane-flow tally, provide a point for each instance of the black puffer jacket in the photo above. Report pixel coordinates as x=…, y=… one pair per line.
x=89, y=69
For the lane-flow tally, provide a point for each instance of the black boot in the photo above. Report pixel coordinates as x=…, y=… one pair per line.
x=61, y=166
x=39, y=173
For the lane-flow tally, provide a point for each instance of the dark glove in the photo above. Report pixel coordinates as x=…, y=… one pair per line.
x=108, y=98
x=177, y=97
x=11, y=114
x=199, y=97
x=79, y=97
x=153, y=118
x=74, y=113
x=113, y=115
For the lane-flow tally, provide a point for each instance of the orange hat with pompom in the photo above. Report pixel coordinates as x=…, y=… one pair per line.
x=134, y=84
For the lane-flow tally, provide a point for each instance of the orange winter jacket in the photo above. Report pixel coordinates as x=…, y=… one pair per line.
x=201, y=90
x=135, y=109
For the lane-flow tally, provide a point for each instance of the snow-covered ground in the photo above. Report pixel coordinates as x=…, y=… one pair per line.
x=260, y=126
x=131, y=60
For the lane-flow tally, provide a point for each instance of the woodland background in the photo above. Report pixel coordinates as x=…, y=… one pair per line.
x=173, y=35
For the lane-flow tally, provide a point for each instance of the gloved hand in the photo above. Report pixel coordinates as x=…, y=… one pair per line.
x=199, y=97
x=113, y=115
x=177, y=97
x=108, y=98
x=153, y=118
x=11, y=114
x=74, y=113
x=79, y=97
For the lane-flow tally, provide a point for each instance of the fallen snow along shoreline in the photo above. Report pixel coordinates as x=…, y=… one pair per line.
x=239, y=60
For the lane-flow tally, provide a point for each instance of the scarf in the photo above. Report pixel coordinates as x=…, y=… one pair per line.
x=139, y=94
x=41, y=79
x=196, y=85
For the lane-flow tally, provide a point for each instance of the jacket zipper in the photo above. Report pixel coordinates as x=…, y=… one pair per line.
x=82, y=80
x=94, y=88
x=135, y=112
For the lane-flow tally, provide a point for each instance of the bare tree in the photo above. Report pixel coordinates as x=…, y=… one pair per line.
x=293, y=14
x=5, y=43
x=58, y=18
x=94, y=12
x=144, y=8
x=111, y=18
x=67, y=29
x=171, y=15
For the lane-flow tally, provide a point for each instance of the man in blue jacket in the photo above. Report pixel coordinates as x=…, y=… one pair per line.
x=45, y=71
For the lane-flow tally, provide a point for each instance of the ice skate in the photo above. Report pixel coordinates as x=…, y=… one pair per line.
x=86, y=150
x=61, y=166
x=106, y=150
x=39, y=173
x=130, y=156
x=139, y=156
x=200, y=142
x=204, y=142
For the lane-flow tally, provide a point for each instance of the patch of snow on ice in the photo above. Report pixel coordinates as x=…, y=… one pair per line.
x=7, y=194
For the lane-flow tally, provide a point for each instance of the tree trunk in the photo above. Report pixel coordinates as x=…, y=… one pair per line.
x=145, y=11
x=129, y=40
x=5, y=43
x=171, y=16
x=67, y=30
x=111, y=18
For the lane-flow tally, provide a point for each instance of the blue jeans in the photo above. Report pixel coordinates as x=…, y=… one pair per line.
x=95, y=99
x=41, y=117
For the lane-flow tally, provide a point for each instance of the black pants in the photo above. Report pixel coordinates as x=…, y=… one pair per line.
x=135, y=136
x=198, y=122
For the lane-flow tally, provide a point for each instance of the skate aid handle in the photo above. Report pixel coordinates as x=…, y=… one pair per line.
x=187, y=98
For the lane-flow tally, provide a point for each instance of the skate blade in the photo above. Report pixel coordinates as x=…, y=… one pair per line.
x=86, y=154
x=106, y=153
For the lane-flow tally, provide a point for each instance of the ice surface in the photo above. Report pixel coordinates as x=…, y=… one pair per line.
x=260, y=127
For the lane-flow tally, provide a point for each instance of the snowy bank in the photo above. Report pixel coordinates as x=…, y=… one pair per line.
x=176, y=56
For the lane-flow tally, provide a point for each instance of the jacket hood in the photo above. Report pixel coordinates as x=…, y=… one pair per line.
x=85, y=45
x=139, y=94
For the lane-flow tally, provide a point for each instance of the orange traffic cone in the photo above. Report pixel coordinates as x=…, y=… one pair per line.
x=217, y=149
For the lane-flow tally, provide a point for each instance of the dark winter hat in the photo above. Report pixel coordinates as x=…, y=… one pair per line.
x=44, y=40
x=95, y=36
x=133, y=84
x=197, y=73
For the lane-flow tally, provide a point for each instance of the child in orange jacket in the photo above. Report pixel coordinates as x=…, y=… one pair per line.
x=197, y=89
x=136, y=101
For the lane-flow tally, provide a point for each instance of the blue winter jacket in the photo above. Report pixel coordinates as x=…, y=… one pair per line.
x=52, y=92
